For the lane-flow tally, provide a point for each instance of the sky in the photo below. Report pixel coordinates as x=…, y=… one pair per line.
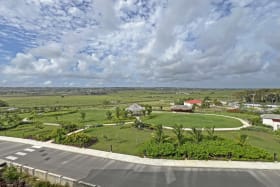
x=140, y=43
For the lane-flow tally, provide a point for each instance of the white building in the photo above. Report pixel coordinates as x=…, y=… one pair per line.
x=271, y=120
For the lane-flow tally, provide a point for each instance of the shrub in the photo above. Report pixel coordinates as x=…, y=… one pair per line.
x=79, y=140
x=3, y=103
x=218, y=149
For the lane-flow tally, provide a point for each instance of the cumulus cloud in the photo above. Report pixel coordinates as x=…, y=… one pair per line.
x=140, y=43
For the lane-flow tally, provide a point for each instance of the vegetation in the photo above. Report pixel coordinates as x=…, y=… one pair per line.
x=11, y=177
x=198, y=147
x=30, y=131
x=3, y=104
x=9, y=120
x=92, y=108
x=191, y=120
x=79, y=139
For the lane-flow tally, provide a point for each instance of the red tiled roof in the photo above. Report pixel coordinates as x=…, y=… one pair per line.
x=194, y=101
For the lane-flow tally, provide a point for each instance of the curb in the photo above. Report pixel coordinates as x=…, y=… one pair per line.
x=149, y=161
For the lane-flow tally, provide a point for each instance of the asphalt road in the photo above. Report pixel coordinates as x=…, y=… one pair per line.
x=112, y=173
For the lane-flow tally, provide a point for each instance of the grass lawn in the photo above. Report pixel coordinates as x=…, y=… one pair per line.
x=92, y=117
x=123, y=140
x=26, y=130
x=191, y=120
x=265, y=140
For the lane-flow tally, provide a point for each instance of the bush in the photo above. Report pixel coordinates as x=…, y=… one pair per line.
x=218, y=149
x=69, y=127
x=3, y=104
x=79, y=140
x=160, y=150
x=10, y=175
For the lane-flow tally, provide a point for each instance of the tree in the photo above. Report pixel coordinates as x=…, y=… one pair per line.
x=3, y=104
x=124, y=113
x=196, y=135
x=178, y=131
x=149, y=109
x=242, y=139
x=159, y=136
x=206, y=102
x=117, y=112
x=109, y=115
x=211, y=133
x=58, y=134
x=83, y=116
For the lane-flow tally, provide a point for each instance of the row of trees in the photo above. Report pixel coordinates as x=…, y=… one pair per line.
x=259, y=96
x=200, y=146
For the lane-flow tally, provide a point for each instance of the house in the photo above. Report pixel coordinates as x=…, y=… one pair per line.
x=182, y=108
x=193, y=101
x=271, y=120
x=135, y=109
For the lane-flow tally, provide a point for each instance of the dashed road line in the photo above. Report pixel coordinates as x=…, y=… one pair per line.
x=21, y=153
x=11, y=157
x=37, y=146
x=29, y=150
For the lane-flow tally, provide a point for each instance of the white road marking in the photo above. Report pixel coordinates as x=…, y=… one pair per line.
x=21, y=153
x=36, y=146
x=11, y=157
x=170, y=176
x=29, y=150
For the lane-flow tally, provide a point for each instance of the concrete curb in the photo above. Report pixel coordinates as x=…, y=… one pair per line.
x=148, y=161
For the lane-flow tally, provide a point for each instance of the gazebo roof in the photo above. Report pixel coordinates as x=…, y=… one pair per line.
x=135, y=108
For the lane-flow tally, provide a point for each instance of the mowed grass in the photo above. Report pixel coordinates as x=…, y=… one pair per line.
x=265, y=140
x=28, y=130
x=126, y=140
x=191, y=120
x=91, y=116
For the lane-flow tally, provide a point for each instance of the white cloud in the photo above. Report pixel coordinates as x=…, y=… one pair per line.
x=47, y=83
x=176, y=42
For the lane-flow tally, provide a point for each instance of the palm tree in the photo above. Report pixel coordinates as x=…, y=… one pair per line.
x=211, y=133
x=159, y=136
x=242, y=139
x=178, y=131
x=83, y=116
x=196, y=135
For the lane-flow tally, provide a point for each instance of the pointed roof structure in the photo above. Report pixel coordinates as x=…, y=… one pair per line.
x=135, y=108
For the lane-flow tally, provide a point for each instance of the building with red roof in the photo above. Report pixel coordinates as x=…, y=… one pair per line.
x=193, y=102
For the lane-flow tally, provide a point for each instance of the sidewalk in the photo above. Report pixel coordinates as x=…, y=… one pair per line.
x=148, y=161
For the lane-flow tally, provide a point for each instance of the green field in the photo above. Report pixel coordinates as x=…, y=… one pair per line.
x=264, y=140
x=131, y=140
x=28, y=130
x=154, y=97
x=191, y=120
x=123, y=140
x=92, y=117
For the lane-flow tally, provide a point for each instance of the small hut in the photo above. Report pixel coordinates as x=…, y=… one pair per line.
x=182, y=108
x=135, y=109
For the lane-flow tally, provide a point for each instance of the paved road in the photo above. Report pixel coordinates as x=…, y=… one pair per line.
x=111, y=173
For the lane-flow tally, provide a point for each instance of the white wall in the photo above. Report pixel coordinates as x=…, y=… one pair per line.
x=275, y=125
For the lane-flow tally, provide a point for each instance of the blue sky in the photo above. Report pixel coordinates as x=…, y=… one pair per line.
x=180, y=43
